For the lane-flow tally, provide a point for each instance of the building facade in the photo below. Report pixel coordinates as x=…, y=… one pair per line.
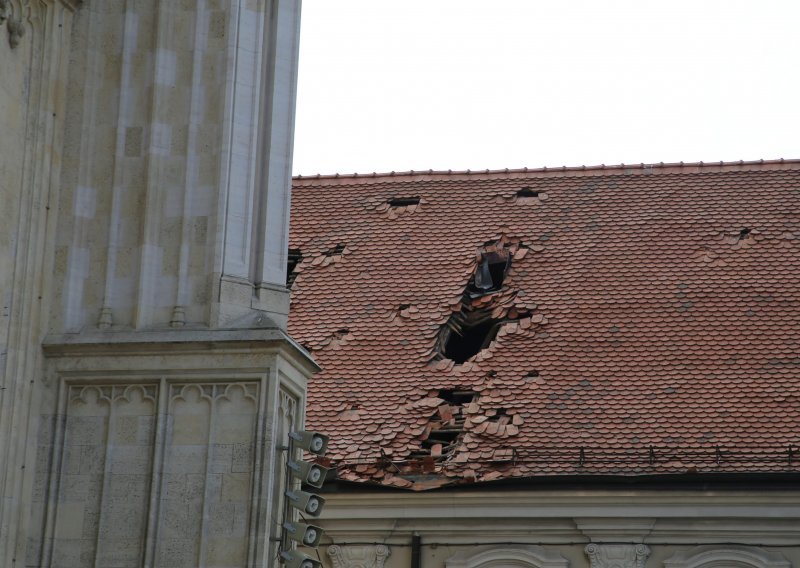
x=147, y=381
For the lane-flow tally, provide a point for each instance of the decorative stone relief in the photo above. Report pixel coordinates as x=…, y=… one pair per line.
x=369, y=556
x=104, y=486
x=731, y=556
x=287, y=410
x=522, y=556
x=102, y=514
x=617, y=555
x=13, y=23
x=206, y=492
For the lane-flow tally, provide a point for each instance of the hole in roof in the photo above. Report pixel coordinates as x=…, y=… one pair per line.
x=491, y=272
x=338, y=249
x=743, y=233
x=294, y=258
x=497, y=414
x=476, y=325
x=403, y=201
x=466, y=340
x=457, y=396
x=532, y=374
x=527, y=192
x=446, y=425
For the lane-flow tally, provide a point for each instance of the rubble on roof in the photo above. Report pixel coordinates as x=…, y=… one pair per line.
x=644, y=321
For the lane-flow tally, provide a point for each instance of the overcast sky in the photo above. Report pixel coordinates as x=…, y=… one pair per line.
x=465, y=84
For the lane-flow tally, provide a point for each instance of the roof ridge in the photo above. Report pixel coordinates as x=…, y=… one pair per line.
x=627, y=168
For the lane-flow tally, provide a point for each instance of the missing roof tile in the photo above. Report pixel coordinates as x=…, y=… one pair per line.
x=335, y=251
x=457, y=396
x=403, y=201
x=294, y=258
x=467, y=337
x=527, y=192
x=446, y=425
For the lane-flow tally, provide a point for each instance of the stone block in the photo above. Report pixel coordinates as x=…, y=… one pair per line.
x=190, y=429
x=226, y=552
x=186, y=459
x=242, y=458
x=236, y=487
x=69, y=521
x=221, y=458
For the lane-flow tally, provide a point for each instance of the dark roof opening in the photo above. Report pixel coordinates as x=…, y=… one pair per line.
x=403, y=201
x=491, y=272
x=500, y=412
x=294, y=258
x=446, y=425
x=469, y=340
x=338, y=249
x=458, y=397
x=527, y=192
x=743, y=233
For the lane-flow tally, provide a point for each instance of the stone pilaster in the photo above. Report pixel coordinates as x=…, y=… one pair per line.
x=34, y=61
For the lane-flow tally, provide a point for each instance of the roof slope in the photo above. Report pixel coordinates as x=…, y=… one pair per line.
x=648, y=322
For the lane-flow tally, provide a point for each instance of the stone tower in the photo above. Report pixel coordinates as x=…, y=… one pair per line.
x=146, y=377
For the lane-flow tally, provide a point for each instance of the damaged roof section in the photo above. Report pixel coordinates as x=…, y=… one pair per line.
x=616, y=321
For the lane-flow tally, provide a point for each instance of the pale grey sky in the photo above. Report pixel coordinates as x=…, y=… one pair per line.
x=470, y=84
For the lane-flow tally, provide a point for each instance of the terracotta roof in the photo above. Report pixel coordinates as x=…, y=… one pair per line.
x=647, y=323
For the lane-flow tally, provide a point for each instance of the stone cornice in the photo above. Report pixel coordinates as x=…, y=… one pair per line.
x=183, y=341
x=636, y=503
x=562, y=516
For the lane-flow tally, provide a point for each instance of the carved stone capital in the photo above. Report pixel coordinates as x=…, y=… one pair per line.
x=617, y=555
x=368, y=556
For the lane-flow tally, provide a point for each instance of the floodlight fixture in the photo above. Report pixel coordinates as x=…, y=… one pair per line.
x=313, y=442
x=311, y=473
x=308, y=503
x=295, y=559
x=307, y=535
